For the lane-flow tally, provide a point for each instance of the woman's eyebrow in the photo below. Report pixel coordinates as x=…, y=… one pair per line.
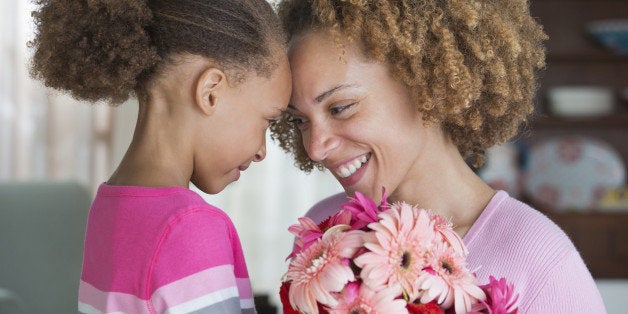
x=332, y=90
x=323, y=95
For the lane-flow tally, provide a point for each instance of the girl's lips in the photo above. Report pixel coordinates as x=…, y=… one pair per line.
x=355, y=177
x=244, y=166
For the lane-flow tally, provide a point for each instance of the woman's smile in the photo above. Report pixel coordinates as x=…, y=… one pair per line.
x=347, y=169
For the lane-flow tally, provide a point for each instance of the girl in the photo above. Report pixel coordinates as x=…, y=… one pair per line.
x=210, y=77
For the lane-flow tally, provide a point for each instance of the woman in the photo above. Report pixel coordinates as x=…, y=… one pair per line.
x=401, y=95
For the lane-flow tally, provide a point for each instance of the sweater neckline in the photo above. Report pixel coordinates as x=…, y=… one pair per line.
x=119, y=190
x=485, y=216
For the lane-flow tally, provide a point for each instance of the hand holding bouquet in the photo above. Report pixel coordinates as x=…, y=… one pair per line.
x=388, y=259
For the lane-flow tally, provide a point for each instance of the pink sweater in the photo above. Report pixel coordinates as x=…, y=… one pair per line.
x=157, y=250
x=514, y=241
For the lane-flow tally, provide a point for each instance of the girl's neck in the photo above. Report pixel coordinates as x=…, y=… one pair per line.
x=160, y=153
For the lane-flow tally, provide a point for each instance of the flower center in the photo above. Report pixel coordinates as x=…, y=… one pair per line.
x=447, y=267
x=405, y=260
x=317, y=263
x=361, y=309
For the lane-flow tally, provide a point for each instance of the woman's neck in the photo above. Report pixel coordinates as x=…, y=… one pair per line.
x=448, y=187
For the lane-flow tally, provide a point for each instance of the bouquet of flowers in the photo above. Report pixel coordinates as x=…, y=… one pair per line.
x=392, y=258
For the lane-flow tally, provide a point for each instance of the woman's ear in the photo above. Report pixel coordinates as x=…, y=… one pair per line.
x=210, y=81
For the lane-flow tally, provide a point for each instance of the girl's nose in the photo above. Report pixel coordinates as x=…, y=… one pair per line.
x=261, y=153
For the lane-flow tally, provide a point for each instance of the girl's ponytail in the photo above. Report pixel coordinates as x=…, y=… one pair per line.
x=94, y=49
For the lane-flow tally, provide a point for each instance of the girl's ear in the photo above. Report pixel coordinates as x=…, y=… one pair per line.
x=210, y=81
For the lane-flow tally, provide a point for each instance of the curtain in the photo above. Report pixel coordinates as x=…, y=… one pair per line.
x=44, y=134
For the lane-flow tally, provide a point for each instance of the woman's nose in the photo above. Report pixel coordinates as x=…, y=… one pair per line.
x=319, y=142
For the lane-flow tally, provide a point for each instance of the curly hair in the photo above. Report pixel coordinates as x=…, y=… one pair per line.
x=470, y=65
x=110, y=49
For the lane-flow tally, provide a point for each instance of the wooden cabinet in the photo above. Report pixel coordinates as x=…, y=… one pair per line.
x=601, y=238
x=575, y=59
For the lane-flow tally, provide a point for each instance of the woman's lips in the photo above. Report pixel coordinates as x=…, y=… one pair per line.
x=351, y=172
x=350, y=167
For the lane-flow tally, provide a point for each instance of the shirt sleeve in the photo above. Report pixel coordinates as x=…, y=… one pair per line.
x=568, y=288
x=193, y=268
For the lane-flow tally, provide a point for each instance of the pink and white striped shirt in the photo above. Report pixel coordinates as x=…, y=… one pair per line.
x=161, y=250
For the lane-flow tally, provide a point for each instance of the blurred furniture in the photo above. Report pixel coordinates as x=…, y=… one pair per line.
x=42, y=229
x=263, y=304
x=10, y=303
x=574, y=58
x=600, y=239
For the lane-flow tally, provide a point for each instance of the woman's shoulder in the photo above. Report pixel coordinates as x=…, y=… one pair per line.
x=511, y=234
x=522, y=244
x=326, y=207
x=518, y=224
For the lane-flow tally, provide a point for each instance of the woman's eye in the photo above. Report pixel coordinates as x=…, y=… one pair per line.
x=339, y=109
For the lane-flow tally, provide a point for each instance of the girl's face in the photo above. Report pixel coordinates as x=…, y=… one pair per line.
x=237, y=134
x=354, y=117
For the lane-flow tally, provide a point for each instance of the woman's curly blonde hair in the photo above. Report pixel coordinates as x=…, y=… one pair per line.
x=469, y=64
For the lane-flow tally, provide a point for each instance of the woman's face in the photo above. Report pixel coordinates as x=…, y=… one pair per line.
x=354, y=117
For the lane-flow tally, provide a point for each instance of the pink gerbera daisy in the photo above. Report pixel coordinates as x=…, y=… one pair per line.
x=307, y=231
x=500, y=297
x=397, y=248
x=444, y=227
x=322, y=268
x=363, y=210
x=361, y=299
x=448, y=281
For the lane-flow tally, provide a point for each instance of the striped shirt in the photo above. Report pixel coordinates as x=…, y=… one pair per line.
x=161, y=250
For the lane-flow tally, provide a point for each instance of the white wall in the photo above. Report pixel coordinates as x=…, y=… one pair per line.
x=615, y=295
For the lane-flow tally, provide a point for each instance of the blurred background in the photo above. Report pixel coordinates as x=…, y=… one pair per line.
x=569, y=162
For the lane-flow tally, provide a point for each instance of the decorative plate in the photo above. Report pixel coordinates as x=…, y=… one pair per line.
x=501, y=170
x=572, y=173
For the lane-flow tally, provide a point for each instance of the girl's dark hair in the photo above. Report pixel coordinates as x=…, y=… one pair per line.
x=109, y=49
x=470, y=65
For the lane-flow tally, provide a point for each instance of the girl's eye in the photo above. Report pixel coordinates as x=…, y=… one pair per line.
x=297, y=121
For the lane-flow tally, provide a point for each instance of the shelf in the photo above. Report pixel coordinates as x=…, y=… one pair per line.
x=593, y=57
x=574, y=57
x=611, y=121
